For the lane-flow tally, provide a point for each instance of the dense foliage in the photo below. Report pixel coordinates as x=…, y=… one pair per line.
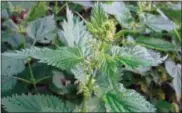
x=91, y=56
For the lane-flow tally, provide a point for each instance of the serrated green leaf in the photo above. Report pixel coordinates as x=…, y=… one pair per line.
x=156, y=23
x=109, y=65
x=127, y=101
x=42, y=29
x=79, y=36
x=132, y=56
x=63, y=57
x=37, y=11
x=103, y=84
x=155, y=43
x=98, y=16
x=155, y=61
x=35, y=103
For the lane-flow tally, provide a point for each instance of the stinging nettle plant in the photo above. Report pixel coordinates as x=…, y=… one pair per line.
x=92, y=54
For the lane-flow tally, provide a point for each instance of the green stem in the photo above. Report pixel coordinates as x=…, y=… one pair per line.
x=83, y=108
x=177, y=34
x=32, y=77
x=24, y=42
x=21, y=79
x=120, y=33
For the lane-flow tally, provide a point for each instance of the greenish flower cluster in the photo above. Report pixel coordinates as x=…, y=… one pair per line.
x=105, y=32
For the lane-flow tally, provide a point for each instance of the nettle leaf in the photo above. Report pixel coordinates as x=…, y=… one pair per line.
x=75, y=33
x=121, y=12
x=36, y=103
x=7, y=83
x=132, y=56
x=136, y=58
x=127, y=101
x=63, y=57
x=109, y=65
x=175, y=72
x=79, y=73
x=38, y=10
x=98, y=16
x=42, y=29
x=94, y=104
x=155, y=43
x=156, y=23
x=103, y=84
x=11, y=66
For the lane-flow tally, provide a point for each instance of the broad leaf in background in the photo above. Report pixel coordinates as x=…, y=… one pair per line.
x=163, y=106
x=121, y=12
x=94, y=104
x=127, y=101
x=42, y=29
x=11, y=66
x=157, y=23
x=36, y=103
x=22, y=4
x=75, y=34
x=7, y=83
x=63, y=57
x=12, y=37
x=155, y=43
x=173, y=12
x=58, y=79
x=175, y=72
x=86, y=4
x=4, y=14
x=60, y=84
x=37, y=11
x=10, y=25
